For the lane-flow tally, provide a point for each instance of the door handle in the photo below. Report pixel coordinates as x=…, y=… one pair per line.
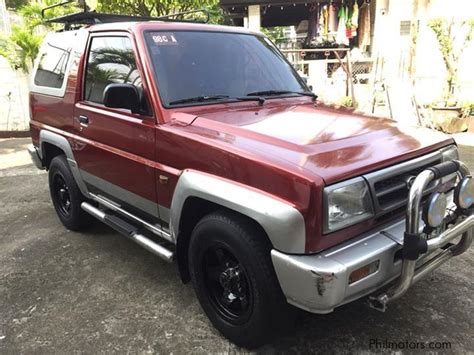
x=83, y=120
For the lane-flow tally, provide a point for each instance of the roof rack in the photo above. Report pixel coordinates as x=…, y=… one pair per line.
x=92, y=17
x=81, y=2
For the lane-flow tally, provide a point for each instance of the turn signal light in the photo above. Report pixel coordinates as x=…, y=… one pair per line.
x=363, y=272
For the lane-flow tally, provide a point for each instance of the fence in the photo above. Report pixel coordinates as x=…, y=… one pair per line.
x=333, y=73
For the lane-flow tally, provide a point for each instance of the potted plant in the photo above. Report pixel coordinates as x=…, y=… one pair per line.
x=447, y=112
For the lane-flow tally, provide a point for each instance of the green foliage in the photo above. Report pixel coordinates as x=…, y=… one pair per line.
x=15, y=4
x=158, y=7
x=446, y=32
x=274, y=33
x=443, y=35
x=31, y=13
x=346, y=101
x=467, y=108
x=21, y=47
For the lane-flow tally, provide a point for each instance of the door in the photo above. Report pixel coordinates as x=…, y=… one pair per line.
x=116, y=148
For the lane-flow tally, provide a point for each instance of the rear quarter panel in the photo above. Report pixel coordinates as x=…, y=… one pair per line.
x=56, y=112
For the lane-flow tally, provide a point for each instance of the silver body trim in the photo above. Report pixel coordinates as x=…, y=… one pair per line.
x=283, y=223
x=165, y=213
x=320, y=282
x=34, y=155
x=81, y=177
x=127, y=196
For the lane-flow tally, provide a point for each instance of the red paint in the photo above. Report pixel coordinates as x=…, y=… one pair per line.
x=288, y=147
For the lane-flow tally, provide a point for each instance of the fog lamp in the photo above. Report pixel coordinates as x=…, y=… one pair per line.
x=464, y=193
x=435, y=209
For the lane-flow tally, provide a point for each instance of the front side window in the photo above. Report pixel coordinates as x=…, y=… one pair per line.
x=52, y=63
x=227, y=65
x=110, y=60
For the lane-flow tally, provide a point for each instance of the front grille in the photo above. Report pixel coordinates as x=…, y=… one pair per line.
x=389, y=186
x=394, y=190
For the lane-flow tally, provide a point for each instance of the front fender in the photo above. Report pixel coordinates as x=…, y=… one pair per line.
x=282, y=222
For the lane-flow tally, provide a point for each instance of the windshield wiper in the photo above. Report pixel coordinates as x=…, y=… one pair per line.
x=199, y=99
x=281, y=92
x=260, y=99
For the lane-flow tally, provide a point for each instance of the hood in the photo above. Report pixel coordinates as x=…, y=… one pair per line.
x=330, y=143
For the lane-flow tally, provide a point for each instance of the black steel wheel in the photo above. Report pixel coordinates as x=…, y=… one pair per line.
x=66, y=196
x=61, y=192
x=233, y=276
x=227, y=284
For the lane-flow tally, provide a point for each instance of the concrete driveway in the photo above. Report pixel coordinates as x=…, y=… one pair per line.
x=91, y=292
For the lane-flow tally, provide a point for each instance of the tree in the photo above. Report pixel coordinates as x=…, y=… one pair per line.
x=452, y=46
x=21, y=47
x=15, y=4
x=158, y=7
x=276, y=34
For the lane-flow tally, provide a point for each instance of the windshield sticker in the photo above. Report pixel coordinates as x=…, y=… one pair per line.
x=164, y=39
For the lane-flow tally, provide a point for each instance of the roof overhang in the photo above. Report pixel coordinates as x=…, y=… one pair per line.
x=273, y=12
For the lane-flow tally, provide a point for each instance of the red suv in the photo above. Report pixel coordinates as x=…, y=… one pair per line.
x=203, y=145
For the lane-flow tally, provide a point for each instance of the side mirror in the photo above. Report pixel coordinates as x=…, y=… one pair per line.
x=122, y=96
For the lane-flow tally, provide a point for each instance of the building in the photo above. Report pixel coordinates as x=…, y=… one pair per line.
x=392, y=43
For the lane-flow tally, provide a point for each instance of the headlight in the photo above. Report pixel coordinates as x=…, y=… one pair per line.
x=347, y=203
x=464, y=193
x=450, y=153
x=435, y=209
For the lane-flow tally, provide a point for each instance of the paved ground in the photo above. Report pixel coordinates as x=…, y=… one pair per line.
x=62, y=291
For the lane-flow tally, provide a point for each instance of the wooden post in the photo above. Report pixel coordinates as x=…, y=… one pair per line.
x=349, y=74
x=348, y=69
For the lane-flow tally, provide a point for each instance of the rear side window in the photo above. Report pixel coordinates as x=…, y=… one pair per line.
x=53, y=63
x=110, y=60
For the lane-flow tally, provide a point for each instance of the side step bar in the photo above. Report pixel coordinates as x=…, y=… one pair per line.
x=130, y=231
x=116, y=208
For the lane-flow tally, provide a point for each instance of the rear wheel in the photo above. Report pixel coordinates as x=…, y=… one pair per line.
x=66, y=196
x=233, y=276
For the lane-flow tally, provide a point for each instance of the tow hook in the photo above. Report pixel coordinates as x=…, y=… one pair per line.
x=378, y=303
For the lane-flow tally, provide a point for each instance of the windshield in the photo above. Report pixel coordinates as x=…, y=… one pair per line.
x=216, y=66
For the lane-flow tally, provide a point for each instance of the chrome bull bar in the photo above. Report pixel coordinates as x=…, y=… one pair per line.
x=414, y=244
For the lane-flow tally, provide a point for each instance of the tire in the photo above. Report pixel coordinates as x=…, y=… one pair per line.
x=66, y=196
x=234, y=280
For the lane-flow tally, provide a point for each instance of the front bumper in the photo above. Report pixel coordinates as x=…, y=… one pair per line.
x=321, y=282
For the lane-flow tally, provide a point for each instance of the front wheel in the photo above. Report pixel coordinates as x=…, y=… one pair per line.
x=233, y=276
